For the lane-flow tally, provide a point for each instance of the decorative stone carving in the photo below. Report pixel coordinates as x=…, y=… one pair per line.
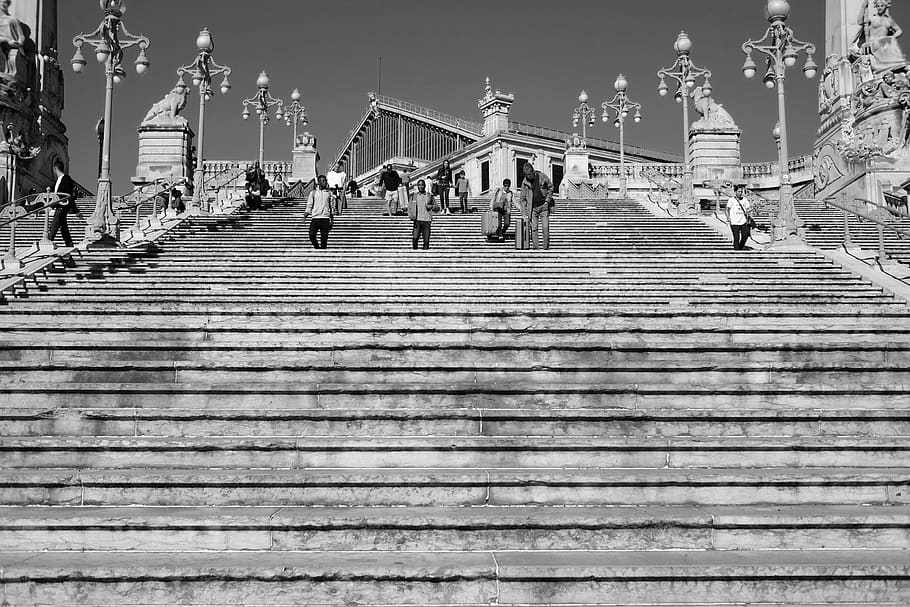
x=494, y=106
x=713, y=115
x=168, y=109
x=575, y=143
x=875, y=125
x=826, y=170
x=829, y=88
x=12, y=39
x=878, y=36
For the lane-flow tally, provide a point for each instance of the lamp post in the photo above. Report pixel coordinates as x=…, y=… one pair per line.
x=583, y=113
x=262, y=102
x=685, y=73
x=781, y=50
x=109, y=41
x=201, y=70
x=294, y=114
x=623, y=106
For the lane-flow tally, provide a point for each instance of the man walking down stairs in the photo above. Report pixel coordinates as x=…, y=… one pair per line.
x=638, y=416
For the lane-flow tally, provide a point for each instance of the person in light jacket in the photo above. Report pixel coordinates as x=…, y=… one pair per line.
x=421, y=209
x=738, y=211
x=319, y=208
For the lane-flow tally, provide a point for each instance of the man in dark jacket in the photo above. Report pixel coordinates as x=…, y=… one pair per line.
x=443, y=182
x=66, y=187
x=391, y=180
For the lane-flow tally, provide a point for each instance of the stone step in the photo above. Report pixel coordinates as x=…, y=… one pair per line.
x=376, y=529
x=375, y=370
x=433, y=420
x=794, y=578
x=276, y=395
x=308, y=453
x=492, y=351
x=453, y=487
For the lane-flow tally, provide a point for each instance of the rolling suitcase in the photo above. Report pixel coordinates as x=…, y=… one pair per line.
x=522, y=234
x=490, y=223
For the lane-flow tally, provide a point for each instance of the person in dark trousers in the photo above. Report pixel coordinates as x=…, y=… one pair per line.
x=738, y=210
x=420, y=210
x=536, y=200
x=391, y=181
x=319, y=208
x=461, y=190
x=501, y=202
x=443, y=182
x=66, y=187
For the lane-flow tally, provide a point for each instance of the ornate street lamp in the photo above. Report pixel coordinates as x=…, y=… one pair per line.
x=685, y=74
x=295, y=114
x=781, y=50
x=262, y=102
x=201, y=71
x=583, y=113
x=109, y=41
x=623, y=106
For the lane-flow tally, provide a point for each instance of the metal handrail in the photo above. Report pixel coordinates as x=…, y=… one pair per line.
x=160, y=185
x=878, y=215
x=46, y=202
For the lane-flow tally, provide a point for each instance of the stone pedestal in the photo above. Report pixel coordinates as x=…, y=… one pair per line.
x=164, y=152
x=305, y=159
x=495, y=106
x=577, y=158
x=715, y=154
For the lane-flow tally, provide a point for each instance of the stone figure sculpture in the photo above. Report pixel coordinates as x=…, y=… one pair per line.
x=168, y=109
x=878, y=35
x=12, y=38
x=713, y=115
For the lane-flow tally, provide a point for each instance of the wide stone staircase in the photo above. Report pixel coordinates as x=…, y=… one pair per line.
x=639, y=416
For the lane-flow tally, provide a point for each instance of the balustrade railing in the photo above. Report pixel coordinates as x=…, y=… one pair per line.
x=20, y=209
x=760, y=170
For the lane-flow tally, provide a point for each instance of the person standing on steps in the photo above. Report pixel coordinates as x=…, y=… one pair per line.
x=319, y=209
x=421, y=208
x=443, y=181
x=337, y=178
x=535, y=200
x=501, y=202
x=738, y=211
x=461, y=190
x=391, y=181
x=64, y=186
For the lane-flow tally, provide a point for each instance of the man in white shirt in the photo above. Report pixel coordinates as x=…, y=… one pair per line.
x=337, y=179
x=738, y=210
x=319, y=208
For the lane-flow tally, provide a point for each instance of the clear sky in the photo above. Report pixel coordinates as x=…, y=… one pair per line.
x=435, y=54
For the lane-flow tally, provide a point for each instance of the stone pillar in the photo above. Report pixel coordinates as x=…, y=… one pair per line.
x=495, y=106
x=164, y=151
x=305, y=158
x=713, y=149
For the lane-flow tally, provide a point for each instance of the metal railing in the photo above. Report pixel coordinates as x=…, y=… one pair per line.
x=882, y=215
x=153, y=192
x=28, y=206
x=301, y=189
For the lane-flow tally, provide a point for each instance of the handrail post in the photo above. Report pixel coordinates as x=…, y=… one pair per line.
x=848, y=238
x=10, y=261
x=154, y=220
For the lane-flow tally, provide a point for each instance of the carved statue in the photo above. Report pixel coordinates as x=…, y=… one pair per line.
x=12, y=38
x=169, y=108
x=713, y=115
x=878, y=35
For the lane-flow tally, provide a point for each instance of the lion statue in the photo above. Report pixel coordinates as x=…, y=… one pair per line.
x=169, y=108
x=713, y=115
